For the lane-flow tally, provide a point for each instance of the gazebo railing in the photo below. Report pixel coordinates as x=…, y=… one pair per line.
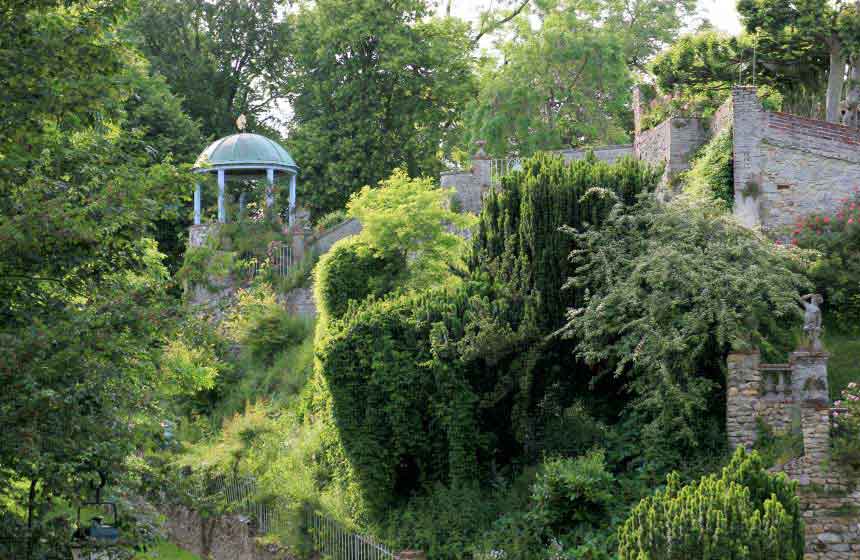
x=279, y=261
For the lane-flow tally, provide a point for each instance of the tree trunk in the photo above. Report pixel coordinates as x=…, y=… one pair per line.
x=851, y=112
x=835, y=79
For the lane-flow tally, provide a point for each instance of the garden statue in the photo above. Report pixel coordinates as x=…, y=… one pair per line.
x=812, y=320
x=241, y=123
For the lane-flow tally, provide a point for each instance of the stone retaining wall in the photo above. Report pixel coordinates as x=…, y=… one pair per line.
x=228, y=537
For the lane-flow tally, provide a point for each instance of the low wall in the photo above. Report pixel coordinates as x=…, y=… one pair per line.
x=343, y=230
x=228, y=537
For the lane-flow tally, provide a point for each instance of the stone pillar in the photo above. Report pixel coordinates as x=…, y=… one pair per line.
x=482, y=167
x=198, y=195
x=809, y=379
x=298, y=234
x=750, y=122
x=222, y=208
x=744, y=384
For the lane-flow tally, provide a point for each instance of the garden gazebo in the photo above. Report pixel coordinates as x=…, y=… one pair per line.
x=244, y=156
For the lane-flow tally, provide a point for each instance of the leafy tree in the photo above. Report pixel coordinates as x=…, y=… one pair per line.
x=84, y=305
x=809, y=31
x=373, y=90
x=699, y=70
x=671, y=290
x=412, y=220
x=565, y=82
x=745, y=513
x=222, y=58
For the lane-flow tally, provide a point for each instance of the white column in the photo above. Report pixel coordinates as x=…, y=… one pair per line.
x=292, y=197
x=198, y=193
x=270, y=188
x=242, y=196
x=222, y=209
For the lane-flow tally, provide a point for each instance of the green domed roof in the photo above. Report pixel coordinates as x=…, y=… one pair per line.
x=245, y=150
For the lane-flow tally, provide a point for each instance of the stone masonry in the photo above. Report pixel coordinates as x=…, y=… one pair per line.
x=776, y=394
x=787, y=167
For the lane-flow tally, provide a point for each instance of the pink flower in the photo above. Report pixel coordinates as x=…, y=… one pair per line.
x=826, y=219
x=796, y=232
x=850, y=220
x=794, y=241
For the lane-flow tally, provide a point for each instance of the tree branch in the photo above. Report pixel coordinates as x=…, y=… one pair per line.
x=501, y=22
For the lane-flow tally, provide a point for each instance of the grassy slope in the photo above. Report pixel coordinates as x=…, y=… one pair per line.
x=167, y=551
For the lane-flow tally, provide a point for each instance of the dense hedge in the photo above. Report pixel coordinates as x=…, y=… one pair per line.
x=519, y=239
x=405, y=403
x=352, y=271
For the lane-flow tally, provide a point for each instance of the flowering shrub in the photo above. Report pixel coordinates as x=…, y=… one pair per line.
x=846, y=421
x=836, y=273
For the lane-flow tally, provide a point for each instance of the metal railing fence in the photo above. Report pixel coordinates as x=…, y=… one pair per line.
x=326, y=536
x=501, y=167
x=279, y=261
x=332, y=540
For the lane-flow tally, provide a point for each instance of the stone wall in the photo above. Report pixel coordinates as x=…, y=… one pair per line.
x=300, y=301
x=672, y=144
x=787, y=167
x=469, y=185
x=609, y=154
x=228, y=537
x=776, y=394
x=343, y=230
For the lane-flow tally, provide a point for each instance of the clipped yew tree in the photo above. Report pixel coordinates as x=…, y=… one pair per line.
x=745, y=513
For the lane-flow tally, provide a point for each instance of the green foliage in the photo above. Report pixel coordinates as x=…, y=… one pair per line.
x=534, y=101
x=378, y=90
x=222, y=59
x=563, y=72
x=846, y=449
x=836, y=271
x=84, y=178
x=569, y=514
x=672, y=289
x=189, y=368
x=518, y=239
x=411, y=220
x=842, y=367
x=333, y=218
x=776, y=449
x=744, y=513
x=712, y=172
x=261, y=325
x=353, y=271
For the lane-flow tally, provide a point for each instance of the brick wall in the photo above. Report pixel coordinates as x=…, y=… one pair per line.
x=787, y=167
